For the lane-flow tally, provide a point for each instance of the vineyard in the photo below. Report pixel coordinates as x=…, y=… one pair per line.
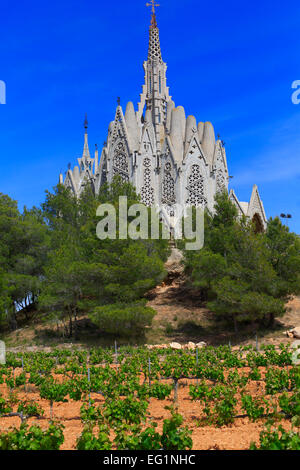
x=133, y=398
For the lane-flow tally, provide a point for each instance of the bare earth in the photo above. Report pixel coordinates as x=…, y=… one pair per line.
x=180, y=317
x=237, y=436
x=180, y=313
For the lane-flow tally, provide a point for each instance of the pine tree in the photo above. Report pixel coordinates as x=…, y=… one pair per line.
x=244, y=276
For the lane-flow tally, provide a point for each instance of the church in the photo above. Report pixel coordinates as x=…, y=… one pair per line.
x=167, y=156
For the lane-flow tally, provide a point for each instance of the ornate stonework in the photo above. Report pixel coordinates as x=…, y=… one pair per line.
x=120, y=162
x=147, y=191
x=196, y=188
x=166, y=155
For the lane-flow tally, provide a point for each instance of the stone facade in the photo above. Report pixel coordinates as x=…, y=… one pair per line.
x=168, y=157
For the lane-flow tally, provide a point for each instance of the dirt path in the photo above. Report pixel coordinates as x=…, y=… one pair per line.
x=181, y=316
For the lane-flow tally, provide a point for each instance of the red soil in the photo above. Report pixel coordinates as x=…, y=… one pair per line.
x=237, y=436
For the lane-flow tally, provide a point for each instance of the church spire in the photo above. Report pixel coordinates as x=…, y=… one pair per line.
x=86, y=151
x=86, y=162
x=154, y=52
x=155, y=95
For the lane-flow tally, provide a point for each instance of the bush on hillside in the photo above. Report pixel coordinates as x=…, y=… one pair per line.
x=123, y=319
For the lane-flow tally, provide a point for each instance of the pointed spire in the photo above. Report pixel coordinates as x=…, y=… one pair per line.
x=96, y=158
x=86, y=123
x=154, y=52
x=155, y=95
x=86, y=151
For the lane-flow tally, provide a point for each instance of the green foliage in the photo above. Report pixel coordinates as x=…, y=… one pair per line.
x=123, y=319
x=20, y=379
x=54, y=392
x=150, y=439
x=277, y=380
x=290, y=404
x=160, y=391
x=242, y=275
x=254, y=407
x=278, y=439
x=294, y=376
x=104, y=278
x=224, y=410
x=175, y=436
x=33, y=438
x=30, y=408
x=88, y=441
x=24, y=246
x=255, y=374
x=122, y=420
x=90, y=413
x=4, y=406
x=284, y=255
x=129, y=410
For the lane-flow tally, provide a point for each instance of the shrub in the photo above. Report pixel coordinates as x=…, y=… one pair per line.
x=123, y=319
x=88, y=441
x=175, y=436
x=33, y=438
x=278, y=439
x=254, y=407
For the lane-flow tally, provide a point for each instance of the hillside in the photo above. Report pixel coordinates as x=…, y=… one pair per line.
x=180, y=317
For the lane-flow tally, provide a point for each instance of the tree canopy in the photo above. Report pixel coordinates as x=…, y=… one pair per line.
x=52, y=259
x=242, y=275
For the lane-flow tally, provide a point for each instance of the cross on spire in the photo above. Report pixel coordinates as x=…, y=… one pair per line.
x=86, y=122
x=153, y=20
x=153, y=4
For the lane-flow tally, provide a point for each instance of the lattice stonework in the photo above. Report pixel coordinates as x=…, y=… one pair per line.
x=220, y=177
x=118, y=127
x=68, y=183
x=196, y=190
x=104, y=173
x=168, y=189
x=154, y=45
x=220, y=181
x=147, y=192
x=120, y=162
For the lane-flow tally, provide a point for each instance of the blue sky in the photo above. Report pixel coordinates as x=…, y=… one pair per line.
x=230, y=63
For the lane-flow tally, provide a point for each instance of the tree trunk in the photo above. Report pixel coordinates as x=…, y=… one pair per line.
x=12, y=320
x=271, y=320
x=75, y=325
x=235, y=324
x=70, y=326
x=175, y=390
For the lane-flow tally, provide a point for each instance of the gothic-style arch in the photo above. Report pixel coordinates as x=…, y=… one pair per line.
x=120, y=161
x=258, y=223
x=196, y=191
x=221, y=172
x=147, y=191
x=168, y=185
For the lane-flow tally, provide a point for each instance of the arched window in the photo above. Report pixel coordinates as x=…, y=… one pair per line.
x=258, y=225
x=196, y=191
x=120, y=162
x=147, y=191
x=168, y=189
